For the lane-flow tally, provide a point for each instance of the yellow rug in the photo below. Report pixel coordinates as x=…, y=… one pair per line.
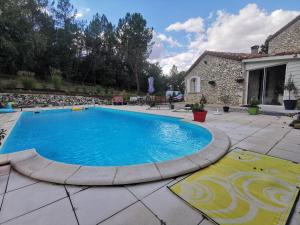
x=243, y=188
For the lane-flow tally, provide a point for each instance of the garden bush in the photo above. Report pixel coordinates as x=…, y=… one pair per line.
x=56, y=81
x=28, y=83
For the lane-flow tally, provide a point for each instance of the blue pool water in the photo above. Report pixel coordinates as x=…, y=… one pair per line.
x=105, y=137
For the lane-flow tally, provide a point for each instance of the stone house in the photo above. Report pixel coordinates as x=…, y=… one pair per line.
x=247, y=76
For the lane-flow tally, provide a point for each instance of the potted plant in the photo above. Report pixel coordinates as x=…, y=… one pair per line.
x=171, y=100
x=199, y=112
x=225, y=98
x=290, y=104
x=253, y=108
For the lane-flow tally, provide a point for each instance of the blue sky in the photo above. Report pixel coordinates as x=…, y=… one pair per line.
x=184, y=29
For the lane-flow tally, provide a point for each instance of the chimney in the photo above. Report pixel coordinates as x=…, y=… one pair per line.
x=254, y=49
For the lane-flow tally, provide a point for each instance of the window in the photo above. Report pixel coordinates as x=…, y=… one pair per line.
x=193, y=85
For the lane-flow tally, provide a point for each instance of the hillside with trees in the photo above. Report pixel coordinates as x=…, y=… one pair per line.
x=44, y=39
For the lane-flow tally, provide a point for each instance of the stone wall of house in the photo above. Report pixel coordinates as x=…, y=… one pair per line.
x=224, y=72
x=44, y=100
x=286, y=41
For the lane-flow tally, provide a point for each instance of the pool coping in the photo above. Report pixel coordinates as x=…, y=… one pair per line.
x=30, y=163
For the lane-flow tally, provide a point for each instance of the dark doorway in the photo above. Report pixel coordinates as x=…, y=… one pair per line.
x=255, y=85
x=267, y=85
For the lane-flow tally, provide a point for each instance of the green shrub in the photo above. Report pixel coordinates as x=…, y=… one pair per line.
x=12, y=84
x=99, y=89
x=198, y=107
x=29, y=83
x=56, y=81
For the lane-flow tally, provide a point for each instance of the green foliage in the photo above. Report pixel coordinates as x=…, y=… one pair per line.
x=291, y=87
x=198, y=107
x=28, y=83
x=254, y=103
x=38, y=35
x=56, y=81
x=225, y=98
x=203, y=100
x=176, y=79
x=12, y=84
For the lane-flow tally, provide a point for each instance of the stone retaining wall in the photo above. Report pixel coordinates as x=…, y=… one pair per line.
x=44, y=100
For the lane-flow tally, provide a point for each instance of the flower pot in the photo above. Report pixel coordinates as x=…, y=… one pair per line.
x=290, y=104
x=200, y=116
x=226, y=108
x=253, y=110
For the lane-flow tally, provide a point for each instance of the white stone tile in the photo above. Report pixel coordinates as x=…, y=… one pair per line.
x=59, y=212
x=144, y=189
x=206, y=222
x=96, y=204
x=295, y=215
x=171, y=209
x=136, y=174
x=93, y=175
x=21, y=155
x=24, y=200
x=3, y=159
x=72, y=189
x=288, y=147
x=31, y=165
x=292, y=156
x=4, y=170
x=3, y=183
x=200, y=161
x=136, y=214
x=56, y=172
x=176, y=167
x=17, y=180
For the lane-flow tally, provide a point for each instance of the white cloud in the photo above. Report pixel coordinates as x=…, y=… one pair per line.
x=227, y=32
x=237, y=32
x=168, y=40
x=195, y=25
x=87, y=9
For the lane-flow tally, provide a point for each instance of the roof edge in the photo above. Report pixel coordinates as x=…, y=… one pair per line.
x=283, y=28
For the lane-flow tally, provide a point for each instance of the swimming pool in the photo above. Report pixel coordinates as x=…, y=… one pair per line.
x=105, y=137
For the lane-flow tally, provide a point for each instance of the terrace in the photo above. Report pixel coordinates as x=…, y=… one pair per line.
x=28, y=201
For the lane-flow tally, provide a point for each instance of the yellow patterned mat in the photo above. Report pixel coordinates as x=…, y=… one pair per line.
x=243, y=188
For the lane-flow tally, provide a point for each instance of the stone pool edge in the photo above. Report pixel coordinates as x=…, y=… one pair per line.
x=31, y=164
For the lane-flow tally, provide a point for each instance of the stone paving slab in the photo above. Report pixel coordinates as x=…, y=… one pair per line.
x=56, y=213
x=142, y=190
x=136, y=214
x=170, y=209
x=17, y=180
x=94, y=205
x=27, y=199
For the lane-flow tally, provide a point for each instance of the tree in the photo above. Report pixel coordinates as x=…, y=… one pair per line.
x=99, y=43
x=134, y=43
x=67, y=37
x=176, y=79
x=264, y=48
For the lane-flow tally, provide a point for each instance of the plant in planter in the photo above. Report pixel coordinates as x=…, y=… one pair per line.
x=225, y=98
x=199, y=112
x=171, y=100
x=253, y=108
x=290, y=104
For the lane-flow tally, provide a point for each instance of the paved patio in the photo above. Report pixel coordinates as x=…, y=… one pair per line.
x=27, y=201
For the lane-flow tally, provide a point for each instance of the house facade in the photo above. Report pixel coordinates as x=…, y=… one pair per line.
x=247, y=76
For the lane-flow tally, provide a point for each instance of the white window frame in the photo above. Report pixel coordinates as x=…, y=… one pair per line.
x=197, y=84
